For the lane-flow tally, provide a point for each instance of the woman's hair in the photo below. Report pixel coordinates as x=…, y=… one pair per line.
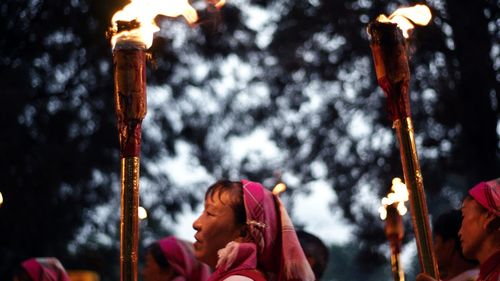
x=158, y=256
x=234, y=190
x=316, y=250
x=447, y=225
x=480, y=207
x=21, y=274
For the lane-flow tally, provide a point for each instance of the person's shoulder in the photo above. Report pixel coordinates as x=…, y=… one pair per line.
x=238, y=278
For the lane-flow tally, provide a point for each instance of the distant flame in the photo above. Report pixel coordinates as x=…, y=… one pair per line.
x=406, y=17
x=142, y=213
x=217, y=3
x=398, y=195
x=279, y=188
x=144, y=12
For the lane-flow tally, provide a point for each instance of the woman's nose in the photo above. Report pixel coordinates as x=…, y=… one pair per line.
x=196, y=224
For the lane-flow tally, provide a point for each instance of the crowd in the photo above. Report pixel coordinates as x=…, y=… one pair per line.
x=245, y=234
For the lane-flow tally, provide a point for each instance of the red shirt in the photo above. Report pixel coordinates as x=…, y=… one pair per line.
x=490, y=269
x=250, y=273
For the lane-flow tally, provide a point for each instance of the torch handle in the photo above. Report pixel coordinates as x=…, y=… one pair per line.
x=397, y=269
x=129, y=229
x=131, y=107
x=418, y=205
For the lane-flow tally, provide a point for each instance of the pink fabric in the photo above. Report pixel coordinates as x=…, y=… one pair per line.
x=488, y=195
x=276, y=251
x=234, y=258
x=45, y=269
x=180, y=256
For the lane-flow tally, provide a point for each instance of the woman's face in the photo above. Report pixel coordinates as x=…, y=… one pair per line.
x=472, y=231
x=151, y=271
x=215, y=227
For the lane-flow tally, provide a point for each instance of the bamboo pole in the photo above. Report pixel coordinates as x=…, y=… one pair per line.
x=391, y=65
x=129, y=60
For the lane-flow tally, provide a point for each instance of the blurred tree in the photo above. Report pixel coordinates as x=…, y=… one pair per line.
x=294, y=77
x=343, y=265
x=58, y=141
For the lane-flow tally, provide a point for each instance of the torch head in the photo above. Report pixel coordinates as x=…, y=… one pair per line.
x=388, y=47
x=394, y=228
x=389, y=52
x=129, y=59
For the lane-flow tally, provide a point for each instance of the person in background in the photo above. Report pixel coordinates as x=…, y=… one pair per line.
x=480, y=230
x=172, y=259
x=245, y=234
x=316, y=252
x=41, y=269
x=453, y=266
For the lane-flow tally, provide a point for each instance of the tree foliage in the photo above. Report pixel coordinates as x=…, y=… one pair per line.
x=294, y=77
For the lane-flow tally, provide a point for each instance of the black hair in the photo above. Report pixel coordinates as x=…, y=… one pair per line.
x=21, y=274
x=447, y=225
x=315, y=249
x=158, y=256
x=235, y=191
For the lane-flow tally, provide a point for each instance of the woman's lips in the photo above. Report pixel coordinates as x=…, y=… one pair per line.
x=197, y=242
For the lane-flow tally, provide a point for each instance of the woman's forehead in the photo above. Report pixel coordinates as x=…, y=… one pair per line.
x=217, y=198
x=470, y=204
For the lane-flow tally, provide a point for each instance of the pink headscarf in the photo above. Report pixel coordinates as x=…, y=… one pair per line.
x=180, y=256
x=276, y=251
x=488, y=195
x=45, y=269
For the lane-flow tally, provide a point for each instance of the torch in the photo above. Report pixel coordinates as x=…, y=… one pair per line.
x=388, y=47
x=129, y=58
x=392, y=211
x=132, y=29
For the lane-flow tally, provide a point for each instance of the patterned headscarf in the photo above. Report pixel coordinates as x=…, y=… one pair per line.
x=276, y=251
x=180, y=256
x=488, y=195
x=45, y=269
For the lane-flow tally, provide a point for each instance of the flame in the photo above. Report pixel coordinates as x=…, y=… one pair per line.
x=398, y=195
x=144, y=12
x=143, y=214
x=217, y=3
x=406, y=17
x=1, y=199
x=279, y=188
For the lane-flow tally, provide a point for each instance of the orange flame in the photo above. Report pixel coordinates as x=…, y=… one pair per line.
x=144, y=12
x=279, y=188
x=217, y=3
x=398, y=195
x=406, y=17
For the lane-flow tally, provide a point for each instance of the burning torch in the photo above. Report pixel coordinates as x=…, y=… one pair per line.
x=388, y=46
x=392, y=210
x=133, y=28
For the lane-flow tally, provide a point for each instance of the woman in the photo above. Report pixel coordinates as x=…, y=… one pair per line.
x=41, y=269
x=171, y=259
x=245, y=234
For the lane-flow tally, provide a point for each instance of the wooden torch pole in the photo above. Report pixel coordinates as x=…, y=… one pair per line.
x=129, y=58
x=393, y=74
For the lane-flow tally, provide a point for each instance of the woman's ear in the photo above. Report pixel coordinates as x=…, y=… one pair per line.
x=492, y=222
x=244, y=235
